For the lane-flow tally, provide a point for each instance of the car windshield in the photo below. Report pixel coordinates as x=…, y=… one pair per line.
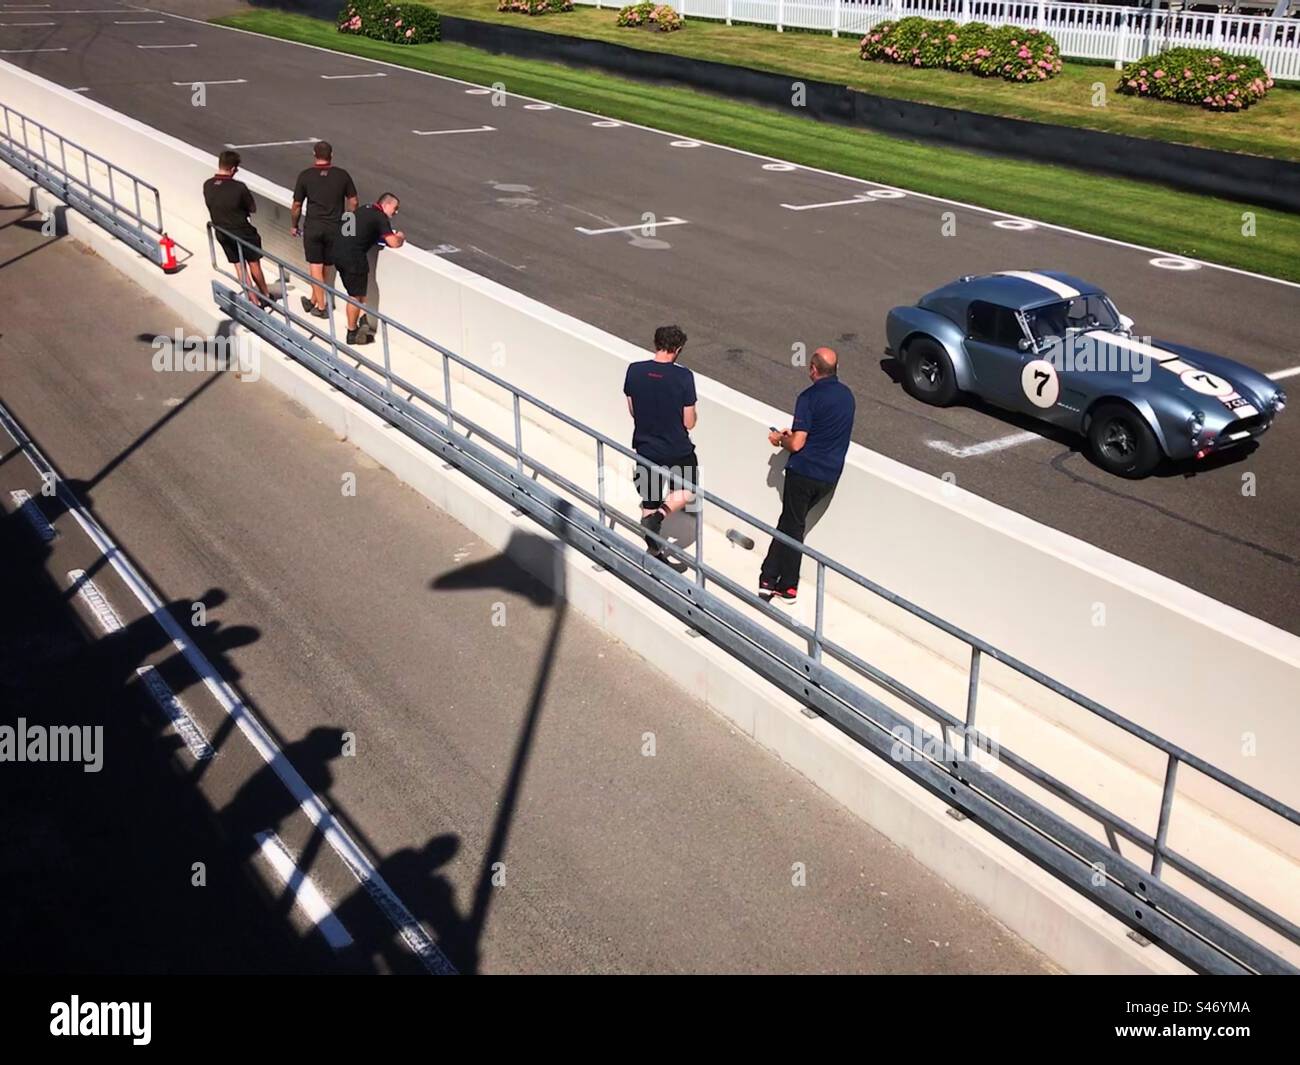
x=1082, y=312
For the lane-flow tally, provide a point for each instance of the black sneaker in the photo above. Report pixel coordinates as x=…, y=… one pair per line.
x=352, y=335
x=312, y=309
x=654, y=522
x=766, y=589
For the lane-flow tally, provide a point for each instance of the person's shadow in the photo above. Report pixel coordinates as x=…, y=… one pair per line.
x=776, y=481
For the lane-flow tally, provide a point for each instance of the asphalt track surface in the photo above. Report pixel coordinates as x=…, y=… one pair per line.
x=478, y=748
x=746, y=276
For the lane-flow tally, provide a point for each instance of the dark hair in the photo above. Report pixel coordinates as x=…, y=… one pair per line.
x=323, y=150
x=824, y=368
x=669, y=338
x=228, y=160
x=385, y=197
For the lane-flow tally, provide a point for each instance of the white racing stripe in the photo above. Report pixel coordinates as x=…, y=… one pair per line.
x=31, y=510
x=186, y=727
x=1060, y=288
x=306, y=894
x=413, y=934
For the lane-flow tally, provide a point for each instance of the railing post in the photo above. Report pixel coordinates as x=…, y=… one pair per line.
x=446, y=389
x=780, y=16
x=1162, y=827
x=1041, y=20
x=728, y=12
x=819, y=614
x=835, y=18
x=329, y=308
x=971, y=692
x=1121, y=41
x=698, y=503
x=388, y=369
x=1217, y=37
x=519, y=435
x=962, y=15
x=139, y=208
x=600, y=481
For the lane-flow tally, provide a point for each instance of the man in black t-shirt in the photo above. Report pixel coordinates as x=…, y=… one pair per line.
x=661, y=399
x=328, y=191
x=229, y=205
x=374, y=228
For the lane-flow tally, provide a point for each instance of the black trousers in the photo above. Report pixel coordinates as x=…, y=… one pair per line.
x=800, y=495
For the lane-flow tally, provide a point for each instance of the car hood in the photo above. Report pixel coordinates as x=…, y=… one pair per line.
x=1211, y=383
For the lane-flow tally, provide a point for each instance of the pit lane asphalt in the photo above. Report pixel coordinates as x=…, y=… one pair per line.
x=372, y=614
x=747, y=278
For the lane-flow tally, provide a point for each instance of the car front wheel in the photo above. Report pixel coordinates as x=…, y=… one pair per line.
x=928, y=373
x=1122, y=442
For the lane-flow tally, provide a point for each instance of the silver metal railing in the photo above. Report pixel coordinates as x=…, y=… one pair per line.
x=127, y=206
x=1138, y=895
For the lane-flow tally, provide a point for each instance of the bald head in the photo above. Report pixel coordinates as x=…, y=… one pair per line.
x=825, y=362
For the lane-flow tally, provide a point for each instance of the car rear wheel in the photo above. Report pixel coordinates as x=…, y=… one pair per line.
x=1122, y=442
x=928, y=373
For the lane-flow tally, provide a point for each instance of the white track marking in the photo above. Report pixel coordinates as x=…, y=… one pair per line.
x=274, y=144
x=1059, y=288
x=16, y=25
x=441, y=132
x=31, y=510
x=84, y=88
x=232, y=81
x=627, y=229
x=28, y=51
x=166, y=45
x=413, y=934
x=970, y=451
x=748, y=154
x=1016, y=224
x=182, y=721
x=1278, y=375
x=345, y=77
x=95, y=601
x=864, y=198
x=1175, y=262
x=140, y=22
x=306, y=894
x=684, y=144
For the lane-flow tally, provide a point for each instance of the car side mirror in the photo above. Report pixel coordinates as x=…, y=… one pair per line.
x=1023, y=344
x=1126, y=323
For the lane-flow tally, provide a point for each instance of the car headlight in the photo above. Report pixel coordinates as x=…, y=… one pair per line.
x=1279, y=401
x=1195, y=423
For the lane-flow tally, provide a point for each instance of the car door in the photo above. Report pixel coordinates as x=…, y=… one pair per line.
x=993, y=335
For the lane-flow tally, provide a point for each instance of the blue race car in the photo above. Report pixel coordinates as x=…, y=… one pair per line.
x=1054, y=347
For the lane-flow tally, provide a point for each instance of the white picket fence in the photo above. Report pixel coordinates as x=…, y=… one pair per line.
x=1084, y=31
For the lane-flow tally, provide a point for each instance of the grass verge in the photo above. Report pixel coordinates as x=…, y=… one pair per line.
x=1142, y=213
x=1271, y=128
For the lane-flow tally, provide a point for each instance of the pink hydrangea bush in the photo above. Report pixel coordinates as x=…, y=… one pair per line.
x=1010, y=52
x=1200, y=76
x=659, y=17
x=535, y=7
x=394, y=23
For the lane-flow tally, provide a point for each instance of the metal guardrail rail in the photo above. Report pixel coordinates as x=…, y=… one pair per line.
x=43, y=155
x=1137, y=896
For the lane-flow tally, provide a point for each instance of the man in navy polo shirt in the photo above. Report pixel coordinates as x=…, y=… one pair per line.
x=817, y=441
x=661, y=399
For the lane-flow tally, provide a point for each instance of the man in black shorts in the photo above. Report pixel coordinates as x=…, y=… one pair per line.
x=328, y=191
x=661, y=399
x=229, y=205
x=352, y=256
